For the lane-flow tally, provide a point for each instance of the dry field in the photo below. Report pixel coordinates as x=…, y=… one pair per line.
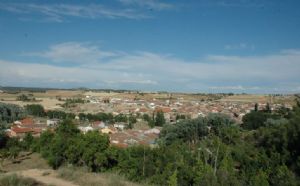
x=34, y=167
x=49, y=99
x=246, y=98
x=251, y=98
x=48, y=103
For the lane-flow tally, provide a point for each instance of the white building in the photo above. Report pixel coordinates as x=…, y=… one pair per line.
x=119, y=126
x=52, y=122
x=85, y=129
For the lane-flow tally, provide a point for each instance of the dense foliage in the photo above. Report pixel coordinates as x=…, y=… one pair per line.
x=56, y=114
x=68, y=145
x=157, y=119
x=35, y=110
x=160, y=119
x=11, y=147
x=25, y=98
x=10, y=113
x=72, y=102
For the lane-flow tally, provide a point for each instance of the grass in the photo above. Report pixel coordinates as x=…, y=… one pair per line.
x=45, y=173
x=77, y=175
x=31, y=161
x=14, y=180
x=82, y=176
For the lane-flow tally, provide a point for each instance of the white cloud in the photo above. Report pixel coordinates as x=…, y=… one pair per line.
x=239, y=46
x=235, y=88
x=74, y=52
x=152, y=4
x=149, y=71
x=235, y=3
x=133, y=82
x=58, y=12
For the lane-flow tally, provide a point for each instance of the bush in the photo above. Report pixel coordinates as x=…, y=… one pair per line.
x=35, y=110
x=10, y=112
x=23, y=97
x=14, y=180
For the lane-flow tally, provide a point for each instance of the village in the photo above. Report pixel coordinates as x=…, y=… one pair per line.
x=174, y=107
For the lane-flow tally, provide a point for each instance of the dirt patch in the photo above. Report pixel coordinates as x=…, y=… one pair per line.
x=83, y=177
x=50, y=178
x=25, y=161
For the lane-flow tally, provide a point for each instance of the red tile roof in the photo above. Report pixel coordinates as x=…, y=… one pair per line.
x=19, y=130
x=143, y=110
x=27, y=121
x=97, y=122
x=163, y=109
x=121, y=145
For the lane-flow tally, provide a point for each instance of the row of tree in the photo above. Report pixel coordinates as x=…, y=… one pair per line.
x=25, y=98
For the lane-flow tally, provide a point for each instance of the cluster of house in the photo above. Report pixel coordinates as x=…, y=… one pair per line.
x=121, y=137
x=174, y=107
x=30, y=125
x=117, y=132
x=118, y=136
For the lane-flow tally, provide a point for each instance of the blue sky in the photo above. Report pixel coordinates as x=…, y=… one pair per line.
x=181, y=45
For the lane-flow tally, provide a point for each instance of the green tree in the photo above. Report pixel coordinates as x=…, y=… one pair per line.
x=282, y=176
x=146, y=117
x=10, y=113
x=256, y=107
x=28, y=141
x=94, y=153
x=132, y=119
x=268, y=108
x=254, y=120
x=173, y=179
x=260, y=179
x=121, y=118
x=3, y=139
x=160, y=119
x=23, y=97
x=35, y=110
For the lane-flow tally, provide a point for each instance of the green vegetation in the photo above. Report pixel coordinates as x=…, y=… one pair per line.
x=157, y=119
x=16, y=90
x=39, y=111
x=68, y=145
x=180, y=117
x=149, y=120
x=14, y=180
x=97, y=117
x=72, y=102
x=11, y=147
x=82, y=176
x=160, y=119
x=121, y=118
x=35, y=110
x=25, y=98
x=55, y=114
x=10, y=113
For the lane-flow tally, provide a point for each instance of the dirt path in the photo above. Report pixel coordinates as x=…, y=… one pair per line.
x=46, y=176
